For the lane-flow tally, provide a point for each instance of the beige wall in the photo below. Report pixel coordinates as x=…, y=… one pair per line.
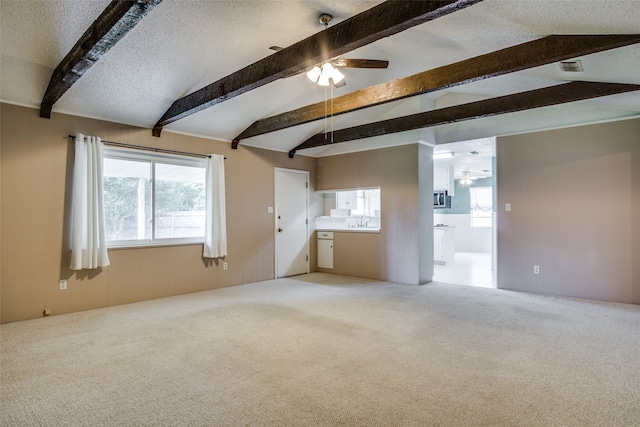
x=403, y=251
x=575, y=197
x=36, y=161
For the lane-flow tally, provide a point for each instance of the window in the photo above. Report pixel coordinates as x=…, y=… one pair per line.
x=153, y=199
x=367, y=203
x=351, y=209
x=481, y=205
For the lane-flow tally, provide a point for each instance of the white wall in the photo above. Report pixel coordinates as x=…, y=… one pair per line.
x=466, y=239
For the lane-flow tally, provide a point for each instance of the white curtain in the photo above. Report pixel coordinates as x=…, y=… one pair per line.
x=88, y=242
x=215, y=234
x=481, y=199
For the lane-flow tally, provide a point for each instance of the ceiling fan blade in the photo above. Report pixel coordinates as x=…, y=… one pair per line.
x=361, y=63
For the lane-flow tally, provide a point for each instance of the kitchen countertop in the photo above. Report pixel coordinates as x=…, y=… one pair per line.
x=351, y=230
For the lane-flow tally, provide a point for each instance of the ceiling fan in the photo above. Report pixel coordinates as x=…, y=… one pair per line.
x=327, y=72
x=467, y=179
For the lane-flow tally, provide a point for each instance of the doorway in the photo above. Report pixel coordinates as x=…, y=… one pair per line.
x=468, y=221
x=291, y=222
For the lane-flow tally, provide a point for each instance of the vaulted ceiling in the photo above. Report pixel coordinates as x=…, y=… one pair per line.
x=178, y=47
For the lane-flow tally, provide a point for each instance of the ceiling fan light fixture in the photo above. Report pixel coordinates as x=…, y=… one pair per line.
x=336, y=76
x=466, y=180
x=326, y=74
x=323, y=80
x=327, y=69
x=314, y=74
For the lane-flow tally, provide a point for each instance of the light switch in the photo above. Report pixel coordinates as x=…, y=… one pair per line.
x=269, y=209
x=507, y=207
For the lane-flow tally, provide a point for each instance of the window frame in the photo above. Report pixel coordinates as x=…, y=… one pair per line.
x=353, y=222
x=476, y=215
x=131, y=154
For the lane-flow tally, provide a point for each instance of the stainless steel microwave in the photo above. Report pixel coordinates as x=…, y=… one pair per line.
x=441, y=200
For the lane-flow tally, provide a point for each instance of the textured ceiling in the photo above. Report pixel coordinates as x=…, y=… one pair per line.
x=183, y=45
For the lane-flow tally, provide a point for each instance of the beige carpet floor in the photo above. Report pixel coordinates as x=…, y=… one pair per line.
x=323, y=350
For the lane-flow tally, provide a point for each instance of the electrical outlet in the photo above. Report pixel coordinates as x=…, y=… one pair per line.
x=63, y=285
x=536, y=269
x=225, y=266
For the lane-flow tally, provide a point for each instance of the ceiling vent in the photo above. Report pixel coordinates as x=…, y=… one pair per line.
x=571, y=66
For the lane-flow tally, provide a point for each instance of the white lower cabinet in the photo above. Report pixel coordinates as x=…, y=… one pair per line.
x=438, y=246
x=325, y=249
x=443, y=247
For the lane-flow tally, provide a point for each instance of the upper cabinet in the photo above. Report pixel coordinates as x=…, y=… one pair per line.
x=443, y=179
x=347, y=200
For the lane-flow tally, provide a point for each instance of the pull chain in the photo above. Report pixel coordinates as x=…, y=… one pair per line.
x=325, y=112
x=332, y=113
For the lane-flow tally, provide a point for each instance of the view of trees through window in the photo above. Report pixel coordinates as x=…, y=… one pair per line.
x=121, y=206
x=180, y=201
x=175, y=199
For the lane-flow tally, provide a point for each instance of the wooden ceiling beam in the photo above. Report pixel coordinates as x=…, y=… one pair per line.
x=554, y=95
x=381, y=21
x=118, y=18
x=535, y=53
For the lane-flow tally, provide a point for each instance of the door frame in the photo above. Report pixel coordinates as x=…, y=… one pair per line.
x=275, y=216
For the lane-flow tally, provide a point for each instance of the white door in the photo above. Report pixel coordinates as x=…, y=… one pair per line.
x=292, y=243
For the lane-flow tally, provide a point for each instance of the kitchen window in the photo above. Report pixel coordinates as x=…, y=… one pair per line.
x=352, y=210
x=152, y=198
x=481, y=205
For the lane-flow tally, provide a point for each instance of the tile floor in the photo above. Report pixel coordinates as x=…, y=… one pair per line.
x=468, y=268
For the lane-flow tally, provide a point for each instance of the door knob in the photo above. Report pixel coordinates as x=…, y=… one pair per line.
x=279, y=230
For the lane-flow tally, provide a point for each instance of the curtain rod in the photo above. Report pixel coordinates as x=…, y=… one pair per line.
x=157, y=150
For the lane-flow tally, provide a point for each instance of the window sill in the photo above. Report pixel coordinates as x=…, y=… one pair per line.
x=153, y=244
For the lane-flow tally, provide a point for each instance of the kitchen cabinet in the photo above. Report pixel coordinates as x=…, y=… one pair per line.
x=347, y=200
x=443, y=179
x=325, y=249
x=443, y=245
